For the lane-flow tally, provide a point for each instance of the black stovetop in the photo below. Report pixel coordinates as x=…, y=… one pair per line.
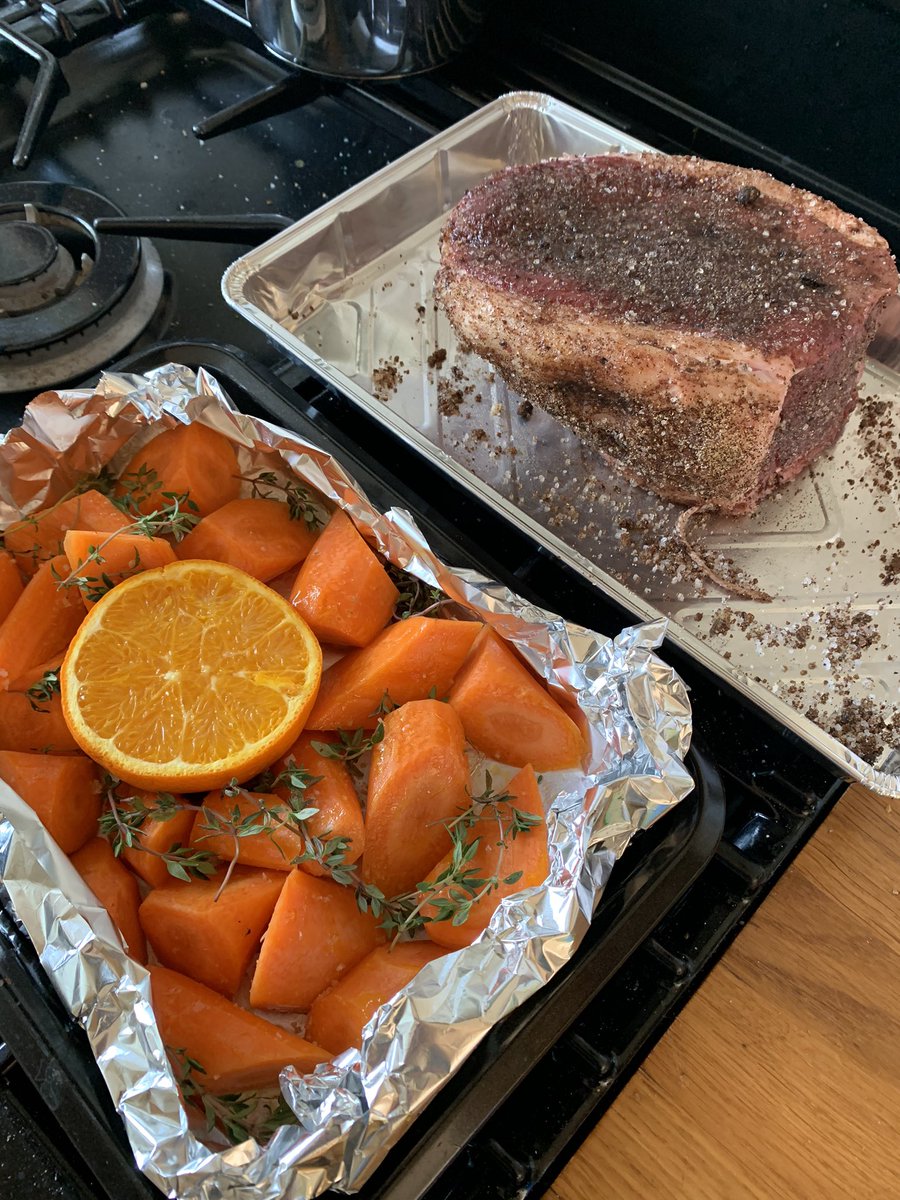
x=125, y=130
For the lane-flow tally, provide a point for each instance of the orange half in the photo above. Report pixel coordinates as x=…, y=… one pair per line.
x=189, y=675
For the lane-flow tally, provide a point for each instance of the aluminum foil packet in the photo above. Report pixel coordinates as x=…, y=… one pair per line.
x=351, y=1111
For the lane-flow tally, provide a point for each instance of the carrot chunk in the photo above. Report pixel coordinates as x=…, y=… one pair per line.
x=40, y=536
x=316, y=934
x=42, y=623
x=508, y=715
x=334, y=795
x=259, y=536
x=279, y=844
x=116, y=889
x=10, y=584
x=417, y=781
x=62, y=790
x=190, y=458
x=409, y=661
x=273, y=848
x=525, y=853
x=123, y=555
x=37, y=730
x=237, y=1050
x=337, y=1017
x=155, y=837
x=211, y=940
x=342, y=589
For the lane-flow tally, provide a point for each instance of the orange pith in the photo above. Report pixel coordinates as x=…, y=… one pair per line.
x=189, y=675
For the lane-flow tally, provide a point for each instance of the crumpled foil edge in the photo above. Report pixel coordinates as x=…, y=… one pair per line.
x=351, y=1111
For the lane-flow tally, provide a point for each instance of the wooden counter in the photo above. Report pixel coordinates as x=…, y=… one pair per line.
x=781, y=1077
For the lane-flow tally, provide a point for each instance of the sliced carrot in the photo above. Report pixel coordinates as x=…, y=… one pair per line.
x=10, y=584
x=508, y=715
x=34, y=726
x=237, y=1050
x=337, y=1017
x=417, y=781
x=525, y=853
x=211, y=940
x=116, y=889
x=190, y=458
x=259, y=536
x=40, y=536
x=342, y=589
x=123, y=555
x=409, y=661
x=273, y=848
x=62, y=790
x=334, y=795
x=315, y=936
x=42, y=623
x=155, y=838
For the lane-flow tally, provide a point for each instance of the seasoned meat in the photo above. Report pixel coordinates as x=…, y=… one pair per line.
x=703, y=325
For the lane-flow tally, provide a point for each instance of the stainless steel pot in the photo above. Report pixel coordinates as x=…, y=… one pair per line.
x=366, y=39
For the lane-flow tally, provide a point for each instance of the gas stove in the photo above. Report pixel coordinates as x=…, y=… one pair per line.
x=143, y=147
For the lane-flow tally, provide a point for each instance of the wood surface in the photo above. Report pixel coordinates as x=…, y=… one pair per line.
x=781, y=1076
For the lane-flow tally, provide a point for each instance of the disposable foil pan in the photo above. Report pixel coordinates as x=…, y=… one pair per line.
x=348, y=292
x=351, y=1111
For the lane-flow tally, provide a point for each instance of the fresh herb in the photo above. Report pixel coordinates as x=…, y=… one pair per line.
x=239, y=1115
x=451, y=894
x=102, y=481
x=301, y=505
x=43, y=690
x=175, y=519
x=455, y=890
x=329, y=852
x=385, y=705
x=415, y=596
x=352, y=743
x=267, y=819
x=135, y=488
x=124, y=818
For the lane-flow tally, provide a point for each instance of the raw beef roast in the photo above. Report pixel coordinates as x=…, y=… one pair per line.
x=703, y=325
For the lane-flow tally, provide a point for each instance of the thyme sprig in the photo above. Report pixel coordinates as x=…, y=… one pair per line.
x=268, y=819
x=455, y=890
x=136, y=488
x=386, y=705
x=352, y=742
x=175, y=519
x=330, y=853
x=301, y=505
x=239, y=1115
x=415, y=596
x=103, y=481
x=124, y=818
x=43, y=690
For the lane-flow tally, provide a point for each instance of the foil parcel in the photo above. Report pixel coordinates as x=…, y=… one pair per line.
x=352, y=1110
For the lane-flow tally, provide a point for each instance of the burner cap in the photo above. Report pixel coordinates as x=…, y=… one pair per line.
x=26, y=251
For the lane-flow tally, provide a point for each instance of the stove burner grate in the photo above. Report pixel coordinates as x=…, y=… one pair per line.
x=70, y=297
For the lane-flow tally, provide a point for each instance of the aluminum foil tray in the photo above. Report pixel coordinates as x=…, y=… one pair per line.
x=347, y=291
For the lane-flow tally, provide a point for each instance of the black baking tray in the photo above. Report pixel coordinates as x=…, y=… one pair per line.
x=51, y=1050
x=517, y=1109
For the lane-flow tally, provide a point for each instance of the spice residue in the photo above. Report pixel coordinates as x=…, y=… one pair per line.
x=386, y=378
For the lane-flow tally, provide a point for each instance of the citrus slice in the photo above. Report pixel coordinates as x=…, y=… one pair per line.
x=189, y=675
